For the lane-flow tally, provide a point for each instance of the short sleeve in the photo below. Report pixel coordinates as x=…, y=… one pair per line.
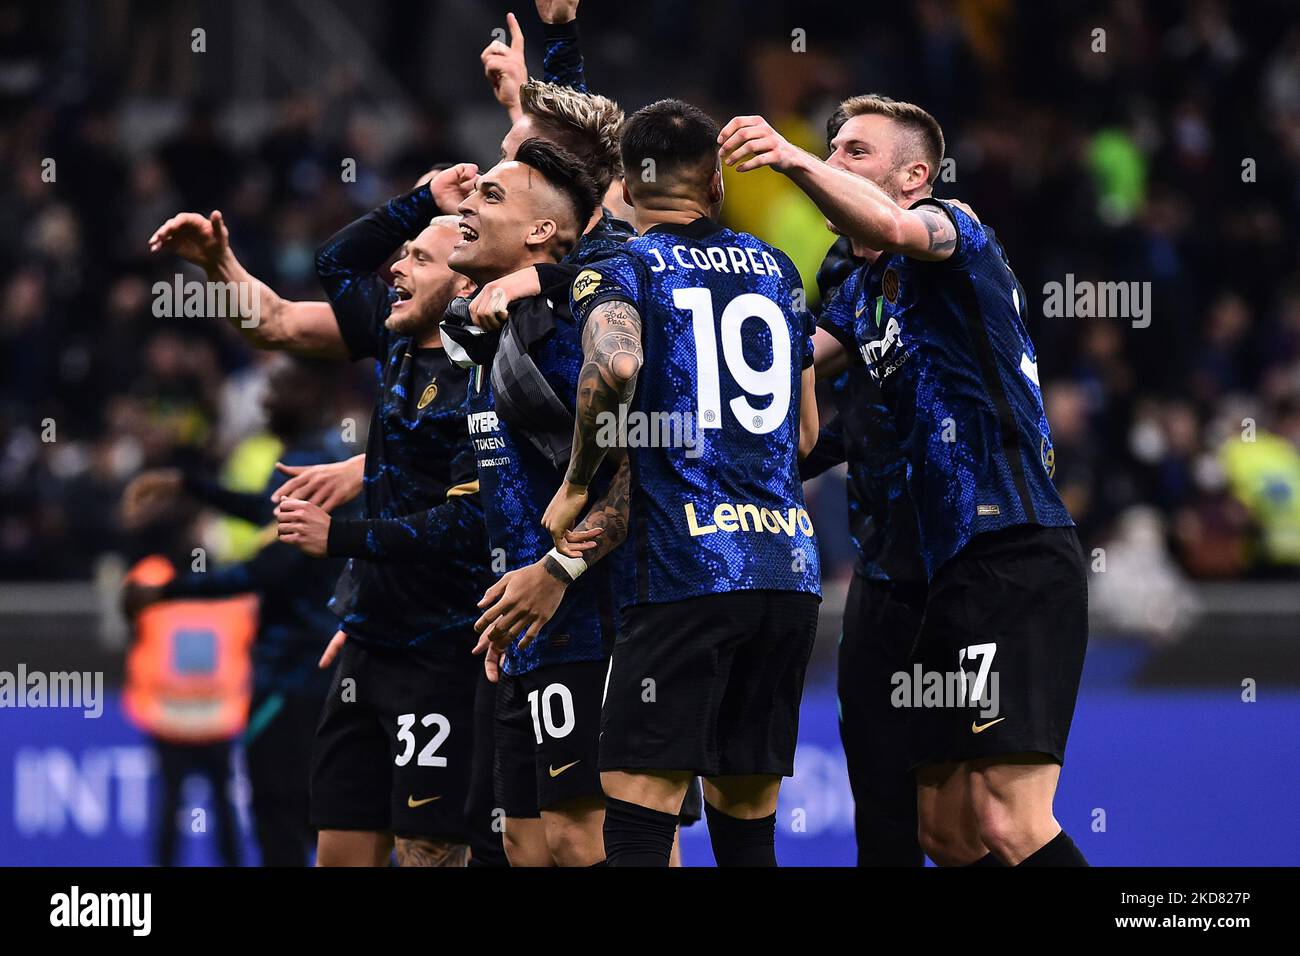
x=971, y=238
x=618, y=277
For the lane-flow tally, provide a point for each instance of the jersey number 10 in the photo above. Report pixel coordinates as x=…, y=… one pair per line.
x=773, y=380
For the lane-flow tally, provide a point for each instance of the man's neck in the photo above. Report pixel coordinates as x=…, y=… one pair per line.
x=526, y=261
x=679, y=214
x=907, y=202
x=430, y=340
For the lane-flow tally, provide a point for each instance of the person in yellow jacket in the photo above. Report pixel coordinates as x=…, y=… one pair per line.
x=1263, y=470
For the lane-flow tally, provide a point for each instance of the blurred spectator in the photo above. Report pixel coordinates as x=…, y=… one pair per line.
x=1171, y=157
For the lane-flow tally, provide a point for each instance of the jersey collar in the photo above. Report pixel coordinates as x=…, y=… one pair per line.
x=701, y=228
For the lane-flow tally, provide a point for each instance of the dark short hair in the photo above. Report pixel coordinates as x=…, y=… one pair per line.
x=680, y=139
x=565, y=172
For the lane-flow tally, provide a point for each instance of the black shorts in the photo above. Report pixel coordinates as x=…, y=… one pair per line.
x=485, y=823
x=394, y=746
x=881, y=621
x=1012, y=606
x=547, y=728
x=710, y=684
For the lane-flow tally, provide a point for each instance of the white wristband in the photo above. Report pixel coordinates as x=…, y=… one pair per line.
x=573, y=567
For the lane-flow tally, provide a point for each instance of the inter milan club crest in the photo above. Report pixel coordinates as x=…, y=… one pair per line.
x=889, y=285
x=429, y=394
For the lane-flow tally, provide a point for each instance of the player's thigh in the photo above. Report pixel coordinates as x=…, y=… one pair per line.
x=525, y=843
x=351, y=764
x=942, y=791
x=353, y=848
x=758, y=717
x=1014, y=786
x=428, y=711
x=948, y=827
x=667, y=676
x=421, y=851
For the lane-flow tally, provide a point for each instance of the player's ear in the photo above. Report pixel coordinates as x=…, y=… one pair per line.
x=627, y=194
x=717, y=191
x=464, y=286
x=542, y=231
x=917, y=176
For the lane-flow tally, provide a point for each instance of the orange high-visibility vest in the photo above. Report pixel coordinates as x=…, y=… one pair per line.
x=189, y=673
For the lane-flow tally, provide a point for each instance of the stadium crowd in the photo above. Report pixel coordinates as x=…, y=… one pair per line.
x=1165, y=155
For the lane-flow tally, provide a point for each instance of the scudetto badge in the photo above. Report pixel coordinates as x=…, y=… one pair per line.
x=585, y=284
x=429, y=394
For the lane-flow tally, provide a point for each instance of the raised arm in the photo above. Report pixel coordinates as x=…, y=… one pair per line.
x=562, y=60
x=348, y=263
x=858, y=207
x=272, y=322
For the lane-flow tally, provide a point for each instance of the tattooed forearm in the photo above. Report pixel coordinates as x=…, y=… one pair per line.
x=425, y=853
x=611, y=349
x=943, y=237
x=610, y=513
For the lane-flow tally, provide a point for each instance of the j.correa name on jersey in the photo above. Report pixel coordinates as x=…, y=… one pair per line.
x=725, y=342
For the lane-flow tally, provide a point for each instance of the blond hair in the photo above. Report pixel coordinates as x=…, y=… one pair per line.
x=926, y=132
x=585, y=124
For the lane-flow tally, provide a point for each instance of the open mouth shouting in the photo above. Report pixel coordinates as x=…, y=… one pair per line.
x=468, y=234
x=404, y=294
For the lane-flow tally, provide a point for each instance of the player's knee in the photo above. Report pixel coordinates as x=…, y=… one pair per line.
x=525, y=849
x=575, y=842
x=1005, y=828
x=948, y=844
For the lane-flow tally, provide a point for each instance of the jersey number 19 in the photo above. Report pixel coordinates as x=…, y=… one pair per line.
x=773, y=380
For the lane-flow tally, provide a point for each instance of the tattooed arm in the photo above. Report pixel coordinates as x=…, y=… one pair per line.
x=611, y=351
x=611, y=348
x=522, y=601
